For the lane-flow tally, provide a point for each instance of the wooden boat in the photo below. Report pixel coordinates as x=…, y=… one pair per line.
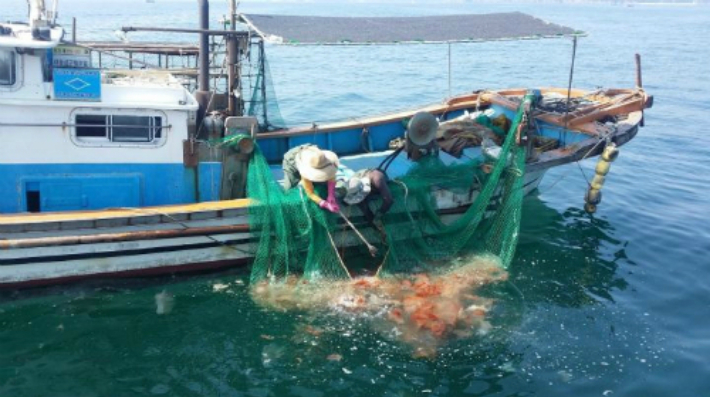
x=60, y=223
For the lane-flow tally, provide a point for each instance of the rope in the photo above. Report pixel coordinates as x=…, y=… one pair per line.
x=335, y=248
x=603, y=139
x=379, y=268
x=343, y=236
x=330, y=237
x=406, y=204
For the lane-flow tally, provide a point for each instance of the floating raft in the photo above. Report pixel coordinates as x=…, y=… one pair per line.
x=391, y=30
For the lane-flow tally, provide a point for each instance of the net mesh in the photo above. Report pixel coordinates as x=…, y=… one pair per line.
x=262, y=102
x=295, y=235
x=425, y=229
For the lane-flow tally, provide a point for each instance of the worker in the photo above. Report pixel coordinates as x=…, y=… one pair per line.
x=362, y=187
x=307, y=165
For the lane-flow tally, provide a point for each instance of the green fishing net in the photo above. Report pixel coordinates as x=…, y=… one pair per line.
x=295, y=236
x=424, y=230
x=262, y=103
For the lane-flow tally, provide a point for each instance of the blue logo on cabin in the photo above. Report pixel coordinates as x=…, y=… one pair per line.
x=77, y=84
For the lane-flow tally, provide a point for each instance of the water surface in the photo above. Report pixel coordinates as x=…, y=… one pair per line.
x=616, y=304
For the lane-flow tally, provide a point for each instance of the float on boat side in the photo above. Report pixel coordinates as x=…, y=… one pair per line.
x=133, y=172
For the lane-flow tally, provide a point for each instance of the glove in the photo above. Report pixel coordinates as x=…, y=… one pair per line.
x=331, y=196
x=332, y=207
x=331, y=190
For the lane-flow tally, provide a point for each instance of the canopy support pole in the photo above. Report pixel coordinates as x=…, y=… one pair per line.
x=449, y=69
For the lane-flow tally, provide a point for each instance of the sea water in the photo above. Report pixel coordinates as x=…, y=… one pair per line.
x=615, y=304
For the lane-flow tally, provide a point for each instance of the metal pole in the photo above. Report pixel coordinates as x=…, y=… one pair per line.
x=238, y=80
x=202, y=94
x=235, y=80
x=233, y=16
x=204, y=45
x=569, y=86
x=449, y=69
x=639, y=83
x=73, y=30
x=263, y=80
x=232, y=59
x=54, y=12
x=237, y=89
x=370, y=247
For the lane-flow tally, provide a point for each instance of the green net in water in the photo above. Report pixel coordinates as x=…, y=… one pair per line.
x=440, y=212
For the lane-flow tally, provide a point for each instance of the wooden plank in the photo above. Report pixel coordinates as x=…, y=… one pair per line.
x=117, y=237
x=589, y=128
x=16, y=274
x=91, y=230
x=37, y=254
x=622, y=108
x=15, y=219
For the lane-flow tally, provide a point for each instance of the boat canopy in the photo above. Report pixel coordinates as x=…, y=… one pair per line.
x=285, y=29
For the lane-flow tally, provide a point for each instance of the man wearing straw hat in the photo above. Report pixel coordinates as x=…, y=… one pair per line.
x=305, y=165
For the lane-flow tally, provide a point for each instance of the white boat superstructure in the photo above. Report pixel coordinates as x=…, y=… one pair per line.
x=70, y=131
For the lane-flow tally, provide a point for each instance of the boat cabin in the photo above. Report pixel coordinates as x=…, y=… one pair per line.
x=74, y=137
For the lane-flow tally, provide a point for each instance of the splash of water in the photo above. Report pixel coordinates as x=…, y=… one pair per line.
x=421, y=310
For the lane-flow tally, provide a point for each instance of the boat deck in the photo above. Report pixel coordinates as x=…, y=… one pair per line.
x=114, y=217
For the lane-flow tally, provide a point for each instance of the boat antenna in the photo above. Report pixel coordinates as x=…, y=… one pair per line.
x=569, y=86
x=37, y=11
x=54, y=12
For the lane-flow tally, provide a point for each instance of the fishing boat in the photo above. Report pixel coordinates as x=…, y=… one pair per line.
x=115, y=173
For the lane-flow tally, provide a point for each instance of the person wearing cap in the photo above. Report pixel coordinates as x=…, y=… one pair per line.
x=362, y=187
x=305, y=165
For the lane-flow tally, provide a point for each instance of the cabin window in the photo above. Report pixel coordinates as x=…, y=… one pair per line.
x=99, y=128
x=7, y=67
x=92, y=126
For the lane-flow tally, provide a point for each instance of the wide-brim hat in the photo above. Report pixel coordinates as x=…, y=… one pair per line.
x=317, y=165
x=357, y=190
